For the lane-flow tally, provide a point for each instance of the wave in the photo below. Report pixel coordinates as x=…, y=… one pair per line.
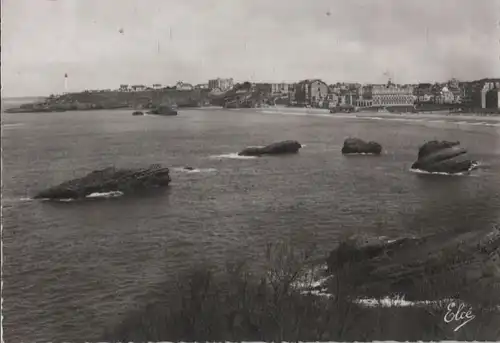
x=57, y=200
x=361, y=154
x=95, y=195
x=400, y=301
x=112, y=194
x=195, y=170
x=308, y=112
x=9, y=126
x=233, y=155
x=430, y=120
x=465, y=173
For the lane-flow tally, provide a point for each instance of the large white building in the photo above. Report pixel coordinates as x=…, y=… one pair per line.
x=392, y=95
x=221, y=84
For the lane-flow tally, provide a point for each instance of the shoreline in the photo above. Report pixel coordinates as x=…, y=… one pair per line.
x=363, y=114
x=421, y=115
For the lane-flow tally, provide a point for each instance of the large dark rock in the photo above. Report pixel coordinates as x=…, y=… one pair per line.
x=362, y=248
x=359, y=146
x=279, y=148
x=378, y=266
x=443, y=157
x=109, y=180
x=137, y=113
x=165, y=110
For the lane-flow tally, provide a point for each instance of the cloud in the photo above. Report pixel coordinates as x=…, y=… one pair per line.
x=104, y=43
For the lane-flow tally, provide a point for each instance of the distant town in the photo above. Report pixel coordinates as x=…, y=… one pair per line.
x=482, y=93
x=480, y=96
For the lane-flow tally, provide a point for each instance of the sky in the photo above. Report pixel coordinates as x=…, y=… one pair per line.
x=105, y=43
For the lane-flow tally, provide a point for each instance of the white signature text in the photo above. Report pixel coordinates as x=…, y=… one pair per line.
x=457, y=314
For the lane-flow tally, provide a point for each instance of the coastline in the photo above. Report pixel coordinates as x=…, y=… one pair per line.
x=434, y=115
x=72, y=107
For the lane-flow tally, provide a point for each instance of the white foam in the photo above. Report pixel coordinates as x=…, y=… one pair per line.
x=9, y=126
x=465, y=173
x=430, y=120
x=307, y=114
x=57, y=200
x=111, y=194
x=399, y=301
x=360, y=153
x=233, y=156
x=196, y=170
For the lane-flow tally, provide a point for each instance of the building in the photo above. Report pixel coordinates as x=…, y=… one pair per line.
x=138, y=88
x=446, y=96
x=423, y=93
x=363, y=103
x=350, y=97
x=392, y=95
x=262, y=87
x=124, y=88
x=453, y=84
x=201, y=86
x=157, y=86
x=281, y=88
x=493, y=98
x=184, y=86
x=221, y=84
x=311, y=92
x=475, y=92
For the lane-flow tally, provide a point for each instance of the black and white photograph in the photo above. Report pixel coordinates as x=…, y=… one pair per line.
x=250, y=170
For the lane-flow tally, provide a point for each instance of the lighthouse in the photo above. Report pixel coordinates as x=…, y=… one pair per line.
x=66, y=83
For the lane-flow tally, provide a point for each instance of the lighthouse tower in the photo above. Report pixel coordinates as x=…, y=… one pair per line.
x=66, y=83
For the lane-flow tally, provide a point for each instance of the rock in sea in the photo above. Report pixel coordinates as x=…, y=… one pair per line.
x=443, y=157
x=164, y=110
x=137, y=113
x=359, y=146
x=109, y=180
x=278, y=148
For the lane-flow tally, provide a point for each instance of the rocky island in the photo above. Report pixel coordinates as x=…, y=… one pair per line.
x=359, y=146
x=443, y=157
x=278, y=148
x=126, y=181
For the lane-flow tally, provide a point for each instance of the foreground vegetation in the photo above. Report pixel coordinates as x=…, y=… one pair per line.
x=240, y=303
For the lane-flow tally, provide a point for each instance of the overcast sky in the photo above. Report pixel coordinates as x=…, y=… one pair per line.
x=104, y=43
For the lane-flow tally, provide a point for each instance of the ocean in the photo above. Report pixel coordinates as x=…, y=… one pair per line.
x=73, y=269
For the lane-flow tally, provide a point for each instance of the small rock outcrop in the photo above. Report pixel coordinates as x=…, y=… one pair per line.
x=109, y=180
x=359, y=248
x=279, y=148
x=164, y=110
x=443, y=157
x=359, y=146
x=138, y=113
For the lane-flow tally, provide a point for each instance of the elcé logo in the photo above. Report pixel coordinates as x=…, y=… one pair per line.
x=457, y=314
